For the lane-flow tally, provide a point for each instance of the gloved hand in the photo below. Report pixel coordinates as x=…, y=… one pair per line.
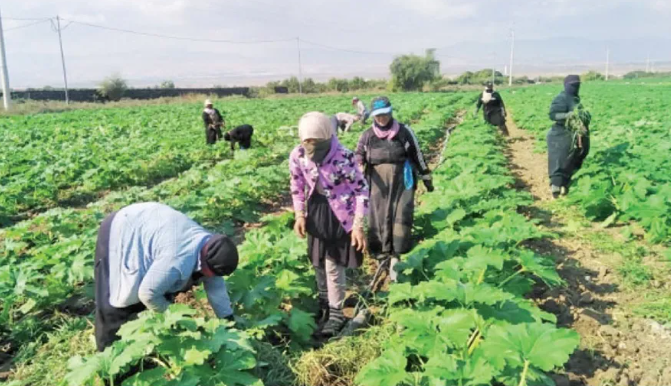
x=230, y=318
x=429, y=185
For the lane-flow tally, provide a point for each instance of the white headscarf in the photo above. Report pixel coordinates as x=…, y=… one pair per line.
x=315, y=125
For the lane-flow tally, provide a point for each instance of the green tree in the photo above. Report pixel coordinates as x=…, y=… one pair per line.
x=168, y=84
x=113, y=87
x=411, y=72
x=291, y=84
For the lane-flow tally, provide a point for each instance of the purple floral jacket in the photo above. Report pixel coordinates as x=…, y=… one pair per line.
x=343, y=183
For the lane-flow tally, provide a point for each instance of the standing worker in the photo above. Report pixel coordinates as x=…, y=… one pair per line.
x=242, y=135
x=494, y=111
x=568, y=139
x=391, y=158
x=213, y=123
x=148, y=252
x=337, y=201
x=361, y=109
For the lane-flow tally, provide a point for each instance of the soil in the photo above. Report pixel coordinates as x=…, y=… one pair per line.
x=617, y=347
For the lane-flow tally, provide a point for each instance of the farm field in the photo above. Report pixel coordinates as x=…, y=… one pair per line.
x=613, y=229
x=482, y=299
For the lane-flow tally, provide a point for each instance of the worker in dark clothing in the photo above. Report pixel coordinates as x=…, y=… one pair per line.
x=213, y=123
x=568, y=145
x=242, y=135
x=391, y=159
x=494, y=111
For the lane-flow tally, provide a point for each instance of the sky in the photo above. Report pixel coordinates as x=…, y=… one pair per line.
x=254, y=41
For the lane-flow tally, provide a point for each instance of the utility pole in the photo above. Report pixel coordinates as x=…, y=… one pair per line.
x=647, y=64
x=6, y=94
x=300, y=70
x=512, y=56
x=607, y=62
x=65, y=76
x=493, y=76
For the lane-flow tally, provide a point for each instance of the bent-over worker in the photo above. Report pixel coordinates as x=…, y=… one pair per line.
x=148, y=252
x=242, y=135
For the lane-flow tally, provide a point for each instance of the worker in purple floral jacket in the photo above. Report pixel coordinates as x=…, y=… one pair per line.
x=337, y=202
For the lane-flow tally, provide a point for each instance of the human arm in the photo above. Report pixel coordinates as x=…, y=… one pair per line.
x=362, y=197
x=478, y=105
x=206, y=120
x=297, y=185
x=559, y=110
x=159, y=280
x=221, y=118
x=217, y=295
x=417, y=158
x=361, y=152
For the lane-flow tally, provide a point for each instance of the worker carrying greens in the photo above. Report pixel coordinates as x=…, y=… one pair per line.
x=330, y=198
x=568, y=139
x=390, y=156
x=242, y=135
x=494, y=110
x=213, y=123
x=148, y=252
x=361, y=110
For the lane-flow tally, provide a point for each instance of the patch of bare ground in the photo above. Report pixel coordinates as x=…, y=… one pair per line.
x=617, y=347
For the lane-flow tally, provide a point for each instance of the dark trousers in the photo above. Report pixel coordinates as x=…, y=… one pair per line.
x=212, y=135
x=108, y=319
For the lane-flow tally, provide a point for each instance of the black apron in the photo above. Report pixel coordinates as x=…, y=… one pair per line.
x=327, y=237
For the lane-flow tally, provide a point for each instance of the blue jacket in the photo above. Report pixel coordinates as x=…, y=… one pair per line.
x=153, y=252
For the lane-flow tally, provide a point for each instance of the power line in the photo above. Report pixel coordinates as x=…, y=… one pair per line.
x=27, y=25
x=347, y=50
x=151, y=34
x=24, y=18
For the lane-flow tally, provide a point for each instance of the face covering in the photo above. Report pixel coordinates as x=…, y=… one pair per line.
x=572, y=85
x=317, y=151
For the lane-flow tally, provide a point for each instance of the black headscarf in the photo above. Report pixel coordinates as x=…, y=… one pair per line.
x=221, y=255
x=572, y=85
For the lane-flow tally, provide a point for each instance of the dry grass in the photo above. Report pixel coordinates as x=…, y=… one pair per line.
x=339, y=361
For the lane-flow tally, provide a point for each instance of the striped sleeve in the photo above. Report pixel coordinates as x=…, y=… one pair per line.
x=416, y=154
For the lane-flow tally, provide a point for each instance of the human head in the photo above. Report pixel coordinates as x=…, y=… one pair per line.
x=316, y=130
x=489, y=86
x=208, y=103
x=218, y=257
x=314, y=126
x=572, y=85
x=355, y=100
x=381, y=110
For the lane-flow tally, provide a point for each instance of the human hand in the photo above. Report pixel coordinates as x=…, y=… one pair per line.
x=429, y=185
x=299, y=226
x=358, y=239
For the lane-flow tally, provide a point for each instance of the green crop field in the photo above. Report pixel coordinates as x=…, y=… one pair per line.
x=465, y=310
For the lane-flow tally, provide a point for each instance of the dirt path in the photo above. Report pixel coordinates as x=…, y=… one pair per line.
x=617, y=348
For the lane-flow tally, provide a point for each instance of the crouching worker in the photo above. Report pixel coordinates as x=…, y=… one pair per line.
x=148, y=252
x=242, y=135
x=330, y=198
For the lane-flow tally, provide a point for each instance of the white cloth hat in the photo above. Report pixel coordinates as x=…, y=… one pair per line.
x=207, y=102
x=315, y=125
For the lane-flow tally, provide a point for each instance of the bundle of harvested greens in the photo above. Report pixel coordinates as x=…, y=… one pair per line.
x=578, y=123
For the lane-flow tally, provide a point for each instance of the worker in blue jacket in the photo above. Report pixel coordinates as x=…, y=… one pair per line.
x=148, y=252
